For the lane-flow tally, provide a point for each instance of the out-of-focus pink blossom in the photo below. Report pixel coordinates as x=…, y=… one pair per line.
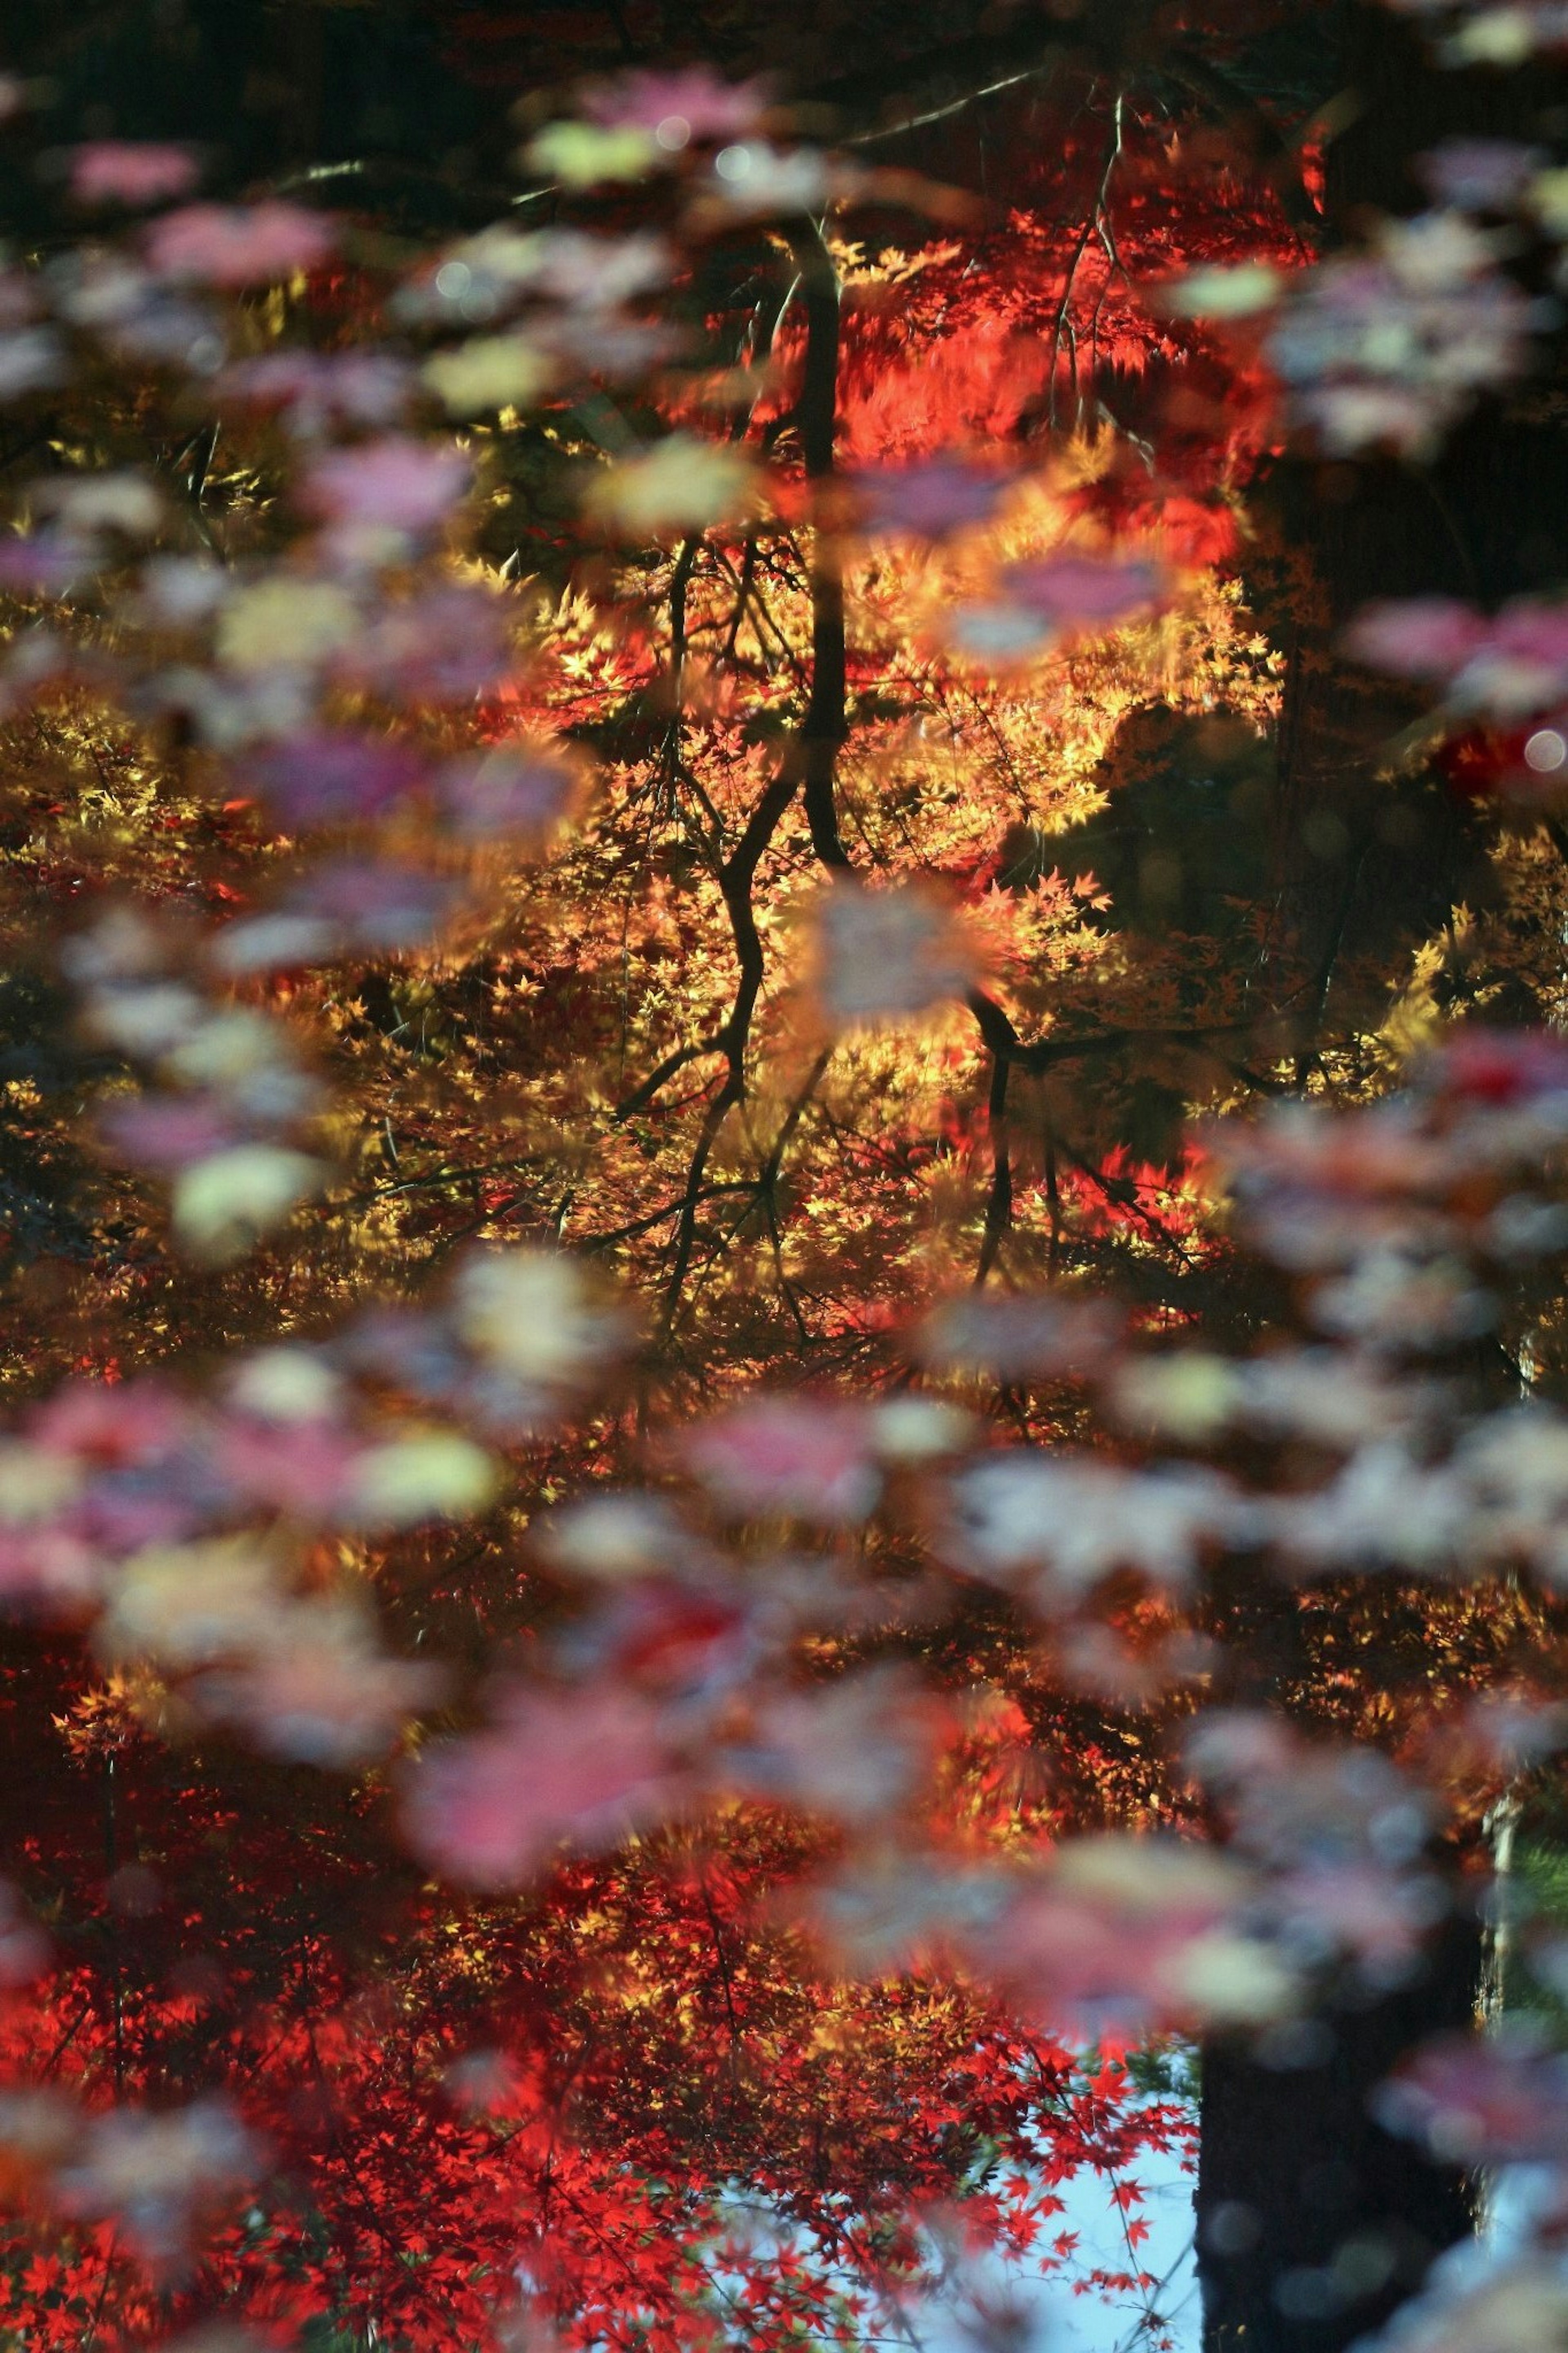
x=1389, y=348
x=689, y=1637
x=159, y=2175
x=24, y=1947
x=799, y=1458
x=1494, y=2099
x=447, y=644
x=348, y=907
x=690, y=103
x=320, y=1694
x=1405, y=1298
x=613, y=1534
x=930, y=498
x=1436, y=252
x=1071, y=591
x=886, y=953
x=603, y=343
x=302, y=1469
x=325, y=777
x=1364, y=1156
x=240, y=245
x=396, y=483
x=140, y=316
x=889, y=1910
x=1521, y=664
x=46, y=563
x=538, y=1315
x=1039, y=1336
x=854, y=1748
x=1416, y=637
x=1091, y=1659
x=111, y=1422
x=1499, y=1066
x=1513, y=1474
x=510, y=792
x=1360, y=1910
x=30, y=358
x=585, y=272
x=1326, y=1398
x=318, y=389
x=1485, y=175
x=589, y=1765
x=123, y=1510
x=1131, y=1933
x=49, y=1568
x=1293, y=1803
x=167, y=1132
x=1496, y=1736
x=588, y=274
x=1060, y=1522
x=177, y=592
x=754, y=181
x=118, y=500
x=131, y=172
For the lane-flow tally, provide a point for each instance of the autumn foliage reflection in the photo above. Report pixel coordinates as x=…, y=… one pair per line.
x=757, y=1408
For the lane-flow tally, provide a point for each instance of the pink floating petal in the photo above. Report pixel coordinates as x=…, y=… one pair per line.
x=166, y=1132
x=690, y=103
x=1416, y=637
x=805, y=1458
x=321, y=778
x=1479, y=175
x=398, y=482
x=1085, y=591
x=930, y=498
x=127, y=172
x=506, y=792
x=589, y=1765
x=239, y=245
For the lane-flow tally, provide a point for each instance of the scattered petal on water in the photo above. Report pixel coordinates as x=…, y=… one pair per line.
x=394, y=483
x=489, y=372
x=930, y=498
x=516, y=792
x=680, y=485
x=886, y=953
x=240, y=246
x=323, y=777
x=590, y=1765
x=282, y=623
x=133, y=173
x=421, y=1474
x=221, y=1206
x=347, y=907
x=1237, y=291
x=800, y=1457
x=582, y=156
x=678, y=106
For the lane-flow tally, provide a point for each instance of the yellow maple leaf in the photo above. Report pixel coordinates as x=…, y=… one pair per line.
x=489, y=371
x=277, y=623
x=579, y=154
x=682, y=484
